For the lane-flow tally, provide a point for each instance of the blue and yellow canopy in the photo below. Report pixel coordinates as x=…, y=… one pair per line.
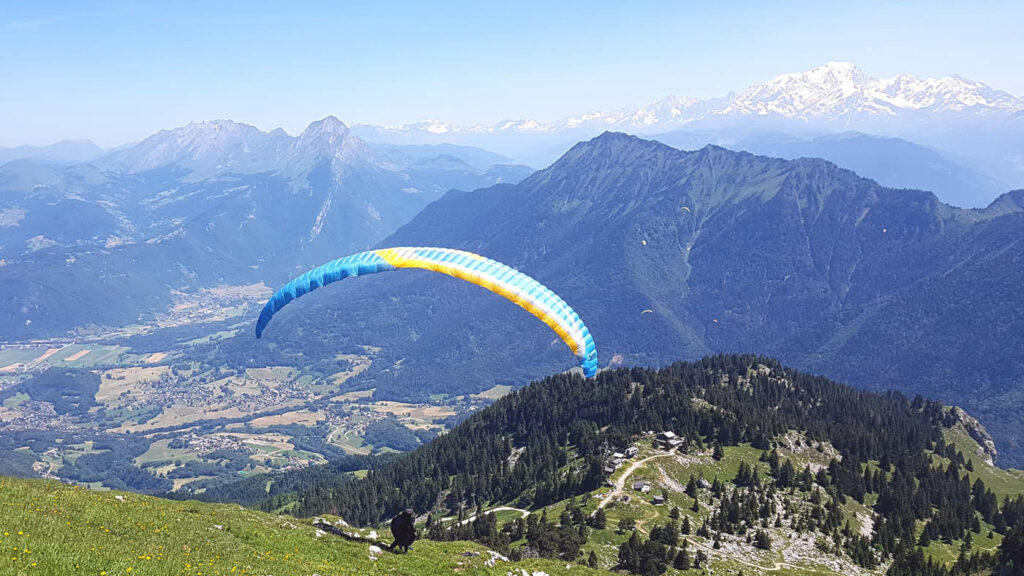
x=492, y=275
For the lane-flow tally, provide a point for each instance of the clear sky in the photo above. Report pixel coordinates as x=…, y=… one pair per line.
x=119, y=71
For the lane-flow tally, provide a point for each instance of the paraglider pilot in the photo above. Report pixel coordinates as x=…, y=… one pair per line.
x=403, y=530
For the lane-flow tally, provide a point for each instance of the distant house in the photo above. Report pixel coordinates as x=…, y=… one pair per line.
x=668, y=440
x=631, y=451
x=618, y=456
x=642, y=486
x=612, y=464
x=658, y=499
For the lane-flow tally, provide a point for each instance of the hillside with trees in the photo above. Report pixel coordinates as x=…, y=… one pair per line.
x=769, y=464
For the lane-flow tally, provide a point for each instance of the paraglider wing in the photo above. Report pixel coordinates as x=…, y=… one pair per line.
x=494, y=276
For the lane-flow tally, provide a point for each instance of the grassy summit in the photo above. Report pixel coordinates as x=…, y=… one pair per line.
x=49, y=528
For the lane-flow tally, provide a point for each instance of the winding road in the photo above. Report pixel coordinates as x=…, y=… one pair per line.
x=620, y=484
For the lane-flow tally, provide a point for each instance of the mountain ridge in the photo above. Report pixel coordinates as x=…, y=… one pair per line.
x=204, y=205
x=68, y=151
x=832, y=91
x=974, y=124
x=891, y=161
x=733, y=252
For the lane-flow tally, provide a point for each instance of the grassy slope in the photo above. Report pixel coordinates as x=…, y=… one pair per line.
x=71, y=530
x=48, y=528
x=605, y=542
x=1002, y=481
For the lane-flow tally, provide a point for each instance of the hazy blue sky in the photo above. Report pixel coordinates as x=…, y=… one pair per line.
x=115, y=73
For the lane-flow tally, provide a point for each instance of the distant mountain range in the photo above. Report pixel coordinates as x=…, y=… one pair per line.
x=225, y=146
x=892, y=162
x=887, y=289
x=837, y=94
x=799, y=259
x=969, y=135
x=215, y=202
x=63, y=152
x=976, y=127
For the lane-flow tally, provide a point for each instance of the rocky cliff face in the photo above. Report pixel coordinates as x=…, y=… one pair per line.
x=986, y=446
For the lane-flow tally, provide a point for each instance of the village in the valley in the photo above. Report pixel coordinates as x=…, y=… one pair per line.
x=184, y=410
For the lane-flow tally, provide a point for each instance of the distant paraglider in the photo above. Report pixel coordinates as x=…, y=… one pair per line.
x=494, y=276
x=647, y=311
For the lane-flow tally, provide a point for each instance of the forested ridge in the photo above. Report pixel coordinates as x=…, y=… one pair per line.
x=546, y=444
x=743, y=399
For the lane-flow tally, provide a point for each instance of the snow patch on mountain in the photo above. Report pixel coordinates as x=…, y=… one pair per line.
x=836, y=92
x=840, y=89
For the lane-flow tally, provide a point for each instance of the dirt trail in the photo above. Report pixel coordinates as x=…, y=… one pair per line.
x=524, y=513
x=621, y=482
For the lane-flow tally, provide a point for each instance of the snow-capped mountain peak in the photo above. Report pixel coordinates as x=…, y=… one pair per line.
x=835, y=93
x=435, y=126
x=840, y=90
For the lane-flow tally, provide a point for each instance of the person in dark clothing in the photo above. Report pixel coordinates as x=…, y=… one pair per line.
x=403, y=529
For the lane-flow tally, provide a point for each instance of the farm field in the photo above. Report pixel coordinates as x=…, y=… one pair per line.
x=188, y=421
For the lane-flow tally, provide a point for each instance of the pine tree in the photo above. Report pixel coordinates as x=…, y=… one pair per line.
x=682, y=560
x=691, y=487
x=700, y=559
x=743, y=475
x=629, y=553
x=626, y=524
x=762, y=541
